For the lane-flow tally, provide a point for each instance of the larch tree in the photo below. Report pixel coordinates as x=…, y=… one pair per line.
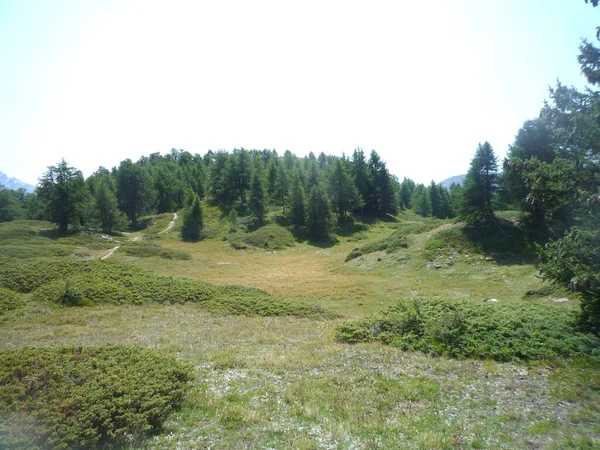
x=135, y=192
x=63, y=191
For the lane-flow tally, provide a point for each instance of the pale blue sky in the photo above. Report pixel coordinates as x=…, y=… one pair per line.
x=422, y=83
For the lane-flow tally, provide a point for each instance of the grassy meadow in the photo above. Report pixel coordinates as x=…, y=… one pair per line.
x=265, y=325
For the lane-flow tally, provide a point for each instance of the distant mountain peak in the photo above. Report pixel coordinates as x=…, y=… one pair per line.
x=14, y=184
x=456, y=179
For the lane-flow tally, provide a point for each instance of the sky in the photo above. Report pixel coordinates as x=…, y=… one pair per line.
x=422, y=83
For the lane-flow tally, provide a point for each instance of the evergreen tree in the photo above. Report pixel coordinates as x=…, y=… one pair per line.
x=282, y=186
x=381, y=201
x=193, y=221
x=64, y=193
x=446, y=202
x=106, y=212
x=135, y=193
x=480, y=184
x=407, y=188
x=343, y=193
x=360, y=173
x=238, y=174
x=320, y=217
x=12, y=204
x=436, y=201
x=168, y=187
x=313, y=177
x=272, y=180
x=258, y=200
x=297, y=213
x=420, y=200
x=217, y=163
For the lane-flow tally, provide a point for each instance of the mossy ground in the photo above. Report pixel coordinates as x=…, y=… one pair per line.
x=284, y=382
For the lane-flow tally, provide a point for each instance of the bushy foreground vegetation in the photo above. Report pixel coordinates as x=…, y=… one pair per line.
x=467, y=329
x=70, y=282
x=86, y=397
x=8, y=300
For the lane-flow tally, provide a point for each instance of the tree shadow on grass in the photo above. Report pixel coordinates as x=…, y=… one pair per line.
x=506, y=243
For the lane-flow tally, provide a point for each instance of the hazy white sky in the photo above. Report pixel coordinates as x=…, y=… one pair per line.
x=422, y=83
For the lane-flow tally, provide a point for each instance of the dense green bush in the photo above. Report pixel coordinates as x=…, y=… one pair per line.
x=8, y=300
x=390, y=244
x=463, y=328
x=82, y=283
x=574, y=262
x=75, y=397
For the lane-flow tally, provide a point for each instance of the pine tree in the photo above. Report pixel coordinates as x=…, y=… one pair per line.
x=258, y=200
x=297, y=213
x=381, y=201
x=407, y=188
x=135, y=192
x=106, y=211
x=480, y=184
x=282, y=185
x=436, y=201
x=360, y=173
x=421, y=203
x=193, y=221
x=272, y=180
x=320, y=217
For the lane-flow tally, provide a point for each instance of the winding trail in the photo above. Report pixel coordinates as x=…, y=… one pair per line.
x=171, y=224
x=110, y=252
x=114, y=249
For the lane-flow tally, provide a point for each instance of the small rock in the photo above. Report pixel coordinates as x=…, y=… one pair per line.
x=437, y=266
x=492, y=300
x=560, y=300
x=489, y=258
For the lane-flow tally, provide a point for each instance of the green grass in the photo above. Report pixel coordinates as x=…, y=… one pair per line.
x=269, y=237
x=35, y=239
x=152, y=225
x=466, y=329
x=148, y=249
x=390, y=244
x=503, y=243
x=264, y=380
x=87, y=283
